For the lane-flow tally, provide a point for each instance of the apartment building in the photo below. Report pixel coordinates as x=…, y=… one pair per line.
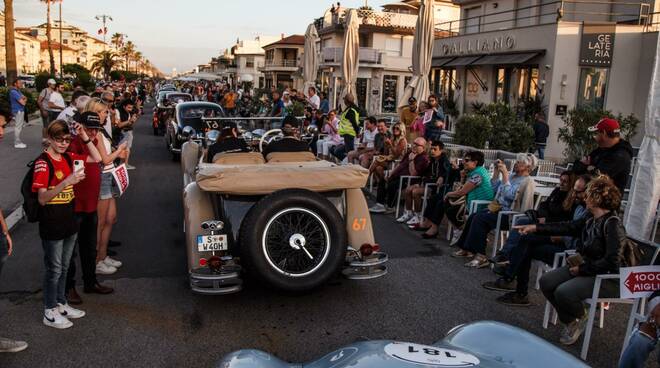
x=385, y=55
x=566, y=53
x=283, y=61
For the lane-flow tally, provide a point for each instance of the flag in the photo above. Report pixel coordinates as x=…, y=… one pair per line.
x=100, y=31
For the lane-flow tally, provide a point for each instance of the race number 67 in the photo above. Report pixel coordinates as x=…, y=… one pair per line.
x=359, y=224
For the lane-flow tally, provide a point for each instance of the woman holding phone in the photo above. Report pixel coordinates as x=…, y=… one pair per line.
x=600, y=237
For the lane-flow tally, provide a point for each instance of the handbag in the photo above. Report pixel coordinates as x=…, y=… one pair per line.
x=494, y=207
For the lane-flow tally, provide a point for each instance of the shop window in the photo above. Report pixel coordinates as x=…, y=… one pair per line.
x=514, y=83
x=593, y=87
x=390, y=86
x=447, y=83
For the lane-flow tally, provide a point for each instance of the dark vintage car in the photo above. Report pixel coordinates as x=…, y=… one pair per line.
x=190, y=121
x=485, y=344
x=164, y=109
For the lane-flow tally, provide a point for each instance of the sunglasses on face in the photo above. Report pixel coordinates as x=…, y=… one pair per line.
x=467, y=160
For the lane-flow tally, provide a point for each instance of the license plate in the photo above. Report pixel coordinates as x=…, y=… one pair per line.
x=210, y=243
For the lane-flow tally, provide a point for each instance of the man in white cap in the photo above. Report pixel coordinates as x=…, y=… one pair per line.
x=42, y=101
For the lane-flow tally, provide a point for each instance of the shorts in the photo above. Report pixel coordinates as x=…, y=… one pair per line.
x=109, y=188
x=127, y=136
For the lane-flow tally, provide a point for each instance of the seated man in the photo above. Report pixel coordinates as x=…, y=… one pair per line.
x=228, y=142
x=366, y=147
x=472, y=242
x=539, y=247
x=291, y=141
x=414, y=163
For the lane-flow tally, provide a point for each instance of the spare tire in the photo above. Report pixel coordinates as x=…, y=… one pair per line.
x=293, y=239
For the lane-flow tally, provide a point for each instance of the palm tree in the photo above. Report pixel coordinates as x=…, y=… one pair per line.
x=137, y=56
x=10, y=43
x=48, y=37
x=104, y=62
x=127, y=52
x=117, y=39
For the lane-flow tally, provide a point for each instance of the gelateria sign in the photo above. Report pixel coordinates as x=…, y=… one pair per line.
x=597, y=44
x=479, y=45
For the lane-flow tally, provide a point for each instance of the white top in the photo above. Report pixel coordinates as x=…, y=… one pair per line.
x=57, y=99
x=315, y=101
x=108, y=150
x=369, y=137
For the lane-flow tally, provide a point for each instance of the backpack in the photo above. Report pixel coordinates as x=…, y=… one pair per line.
x=31, y=206
x=629, y=253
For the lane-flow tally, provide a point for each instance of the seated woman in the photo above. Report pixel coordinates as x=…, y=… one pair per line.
x=536, y=247
x=228, y=141
x=389, y=148
x=329, y=126
x=514, y=192
x=476, y=187
x=601, y=234
x=436, y=172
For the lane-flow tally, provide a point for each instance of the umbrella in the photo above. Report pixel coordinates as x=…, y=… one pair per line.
x=350, y=59
x=645, y=191
x=422, y=53
x=311, y=58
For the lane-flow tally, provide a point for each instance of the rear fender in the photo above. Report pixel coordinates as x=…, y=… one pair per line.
x=197, y=208
x=358, y=220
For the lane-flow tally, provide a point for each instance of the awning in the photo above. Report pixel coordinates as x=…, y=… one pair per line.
x=438, y=62
x=503, y=59
x=463, y=61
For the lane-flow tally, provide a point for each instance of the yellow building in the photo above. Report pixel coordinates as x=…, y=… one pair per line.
x=27, y=51
x=69, y=55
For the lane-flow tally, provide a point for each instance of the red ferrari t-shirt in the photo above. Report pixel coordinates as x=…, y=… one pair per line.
x=88, y=190
x=56, y=218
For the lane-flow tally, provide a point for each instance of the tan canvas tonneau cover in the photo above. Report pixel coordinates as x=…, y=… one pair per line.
x=317, y=176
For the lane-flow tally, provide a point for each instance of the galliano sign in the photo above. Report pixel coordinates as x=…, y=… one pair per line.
x=475, y=46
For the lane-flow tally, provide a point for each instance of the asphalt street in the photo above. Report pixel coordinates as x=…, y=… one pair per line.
x=153, y=320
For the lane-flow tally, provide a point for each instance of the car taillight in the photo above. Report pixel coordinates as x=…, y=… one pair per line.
x=215, y=263
x=368, y=249
x=202, y=262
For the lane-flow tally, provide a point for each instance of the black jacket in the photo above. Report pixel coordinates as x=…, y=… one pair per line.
x=598, y=244
x=286, y=144
x=227, y=145
x=614, y=161
x=541, y=132
x=553, y=208
x=438, y=168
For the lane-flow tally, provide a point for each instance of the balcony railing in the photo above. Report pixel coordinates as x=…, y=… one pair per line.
x=368, y=17
x=366, y=55
x=285, y=63
x=568, y=10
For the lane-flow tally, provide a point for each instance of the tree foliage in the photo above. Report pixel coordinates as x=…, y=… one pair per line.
x=104, y=63
x=82, y=75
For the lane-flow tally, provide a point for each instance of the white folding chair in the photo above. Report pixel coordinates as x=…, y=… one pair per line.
x=409, y=179
x=474, y=206
x=546, y=168
x=636, y=315
x=594, y=300
x=425, y=198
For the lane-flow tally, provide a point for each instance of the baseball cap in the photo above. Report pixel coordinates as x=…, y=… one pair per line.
x=607, y=125
x=51, y=81
x=412, y=100
x=90, y=120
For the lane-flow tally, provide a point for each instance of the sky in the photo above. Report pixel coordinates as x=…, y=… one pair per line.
x=184, y=33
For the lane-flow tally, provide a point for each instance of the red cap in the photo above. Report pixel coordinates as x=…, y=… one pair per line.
x=607, y=125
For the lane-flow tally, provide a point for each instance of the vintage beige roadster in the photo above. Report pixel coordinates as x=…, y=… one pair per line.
x=290, y=220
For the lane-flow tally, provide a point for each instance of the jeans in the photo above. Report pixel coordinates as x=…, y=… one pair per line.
x=87, y=248
x=566, y=292
x=475, y=234
x=57, y=254
x=19, y=118
x=3, y=250
x=541, y=150
x=638, y=350
x=529, y=248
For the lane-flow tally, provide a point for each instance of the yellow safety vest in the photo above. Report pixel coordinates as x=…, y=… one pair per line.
x=345, y=125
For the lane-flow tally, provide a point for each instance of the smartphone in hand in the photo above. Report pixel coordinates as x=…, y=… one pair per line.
x=78, y=165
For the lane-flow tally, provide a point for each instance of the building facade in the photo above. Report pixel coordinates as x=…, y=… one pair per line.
x=565, y=55
x=282, y=62
x=27, y=51
x=385, y=55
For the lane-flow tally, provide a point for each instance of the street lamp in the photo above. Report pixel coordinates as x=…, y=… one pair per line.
x=104, y=30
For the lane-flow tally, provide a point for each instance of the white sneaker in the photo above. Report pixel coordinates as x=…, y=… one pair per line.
x=70, y=312
x=377, y=208
x=20, y=145
x=53, y=318
x=414, y=220
x=103, y=269
x=405, y=217
x=112, y=262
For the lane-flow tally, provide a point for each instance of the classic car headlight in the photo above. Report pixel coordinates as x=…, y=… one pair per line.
x=188, y=132
x=212, y=136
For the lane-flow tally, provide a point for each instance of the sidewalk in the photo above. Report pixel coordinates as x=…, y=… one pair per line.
x=14, y=163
